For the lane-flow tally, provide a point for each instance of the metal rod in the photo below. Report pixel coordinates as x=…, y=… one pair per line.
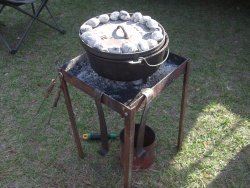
x=53, y=19
x=33, y=8
x=128, y=146
x=2, y=7
x=148, y=93
x=102, y=122
x=71, y=117
x=183, y=104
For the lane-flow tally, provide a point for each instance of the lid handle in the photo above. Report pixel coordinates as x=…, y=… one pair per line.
x=124, y=31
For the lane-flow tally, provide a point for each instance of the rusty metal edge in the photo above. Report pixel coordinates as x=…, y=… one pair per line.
x=161, y=85
x=181, y=69
x=107, y=100
x=114, y=104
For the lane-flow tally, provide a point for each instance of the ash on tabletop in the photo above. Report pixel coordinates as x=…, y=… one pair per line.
x=118, y=90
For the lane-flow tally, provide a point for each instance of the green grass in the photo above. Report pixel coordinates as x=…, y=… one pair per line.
x=216, y=150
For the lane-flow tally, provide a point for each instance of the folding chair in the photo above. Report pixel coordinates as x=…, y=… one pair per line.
x=34, y=16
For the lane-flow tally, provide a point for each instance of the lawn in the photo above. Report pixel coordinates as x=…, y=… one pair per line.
x=216, y=148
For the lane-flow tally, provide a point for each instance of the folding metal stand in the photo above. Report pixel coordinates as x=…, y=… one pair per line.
x=34, y=16
x=127, y=111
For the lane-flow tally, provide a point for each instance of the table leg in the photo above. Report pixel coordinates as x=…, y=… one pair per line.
x=71, y=117
x=183, y=105
x=128, y=147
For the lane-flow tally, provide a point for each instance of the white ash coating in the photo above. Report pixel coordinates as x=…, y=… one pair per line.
x=137, y=82
x=114, y=15
x=152, y=43
x=115, y=50
x=157, y=35
x=104, y=18
x=136, y=17
x=100, y=46
x=93, y=22
x=111, y=36
x=156, y=29
x=129, y=48
x=91, y=40
x=144, y=19
x=101, y=32
x=143, y=45
x=124, y=15
x=86, y=34
x=152, y=24
x=85, y=28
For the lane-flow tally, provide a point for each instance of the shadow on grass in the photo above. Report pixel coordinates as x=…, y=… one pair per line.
x=236, y=173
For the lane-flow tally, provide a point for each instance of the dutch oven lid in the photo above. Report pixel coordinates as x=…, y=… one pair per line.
x=122, y=33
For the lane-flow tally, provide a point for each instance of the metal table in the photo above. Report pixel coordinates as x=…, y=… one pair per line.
x=127, y=105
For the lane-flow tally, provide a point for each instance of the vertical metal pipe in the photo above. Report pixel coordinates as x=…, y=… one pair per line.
x=2, y=7
x=129, y=133
x=103, y=126
x=183, y=104
x=33, y=9
x=71, y=117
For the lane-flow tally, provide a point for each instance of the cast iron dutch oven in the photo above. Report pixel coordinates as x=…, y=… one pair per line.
x=129, y=66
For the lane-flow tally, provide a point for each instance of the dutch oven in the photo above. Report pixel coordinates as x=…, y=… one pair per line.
x=127, y=66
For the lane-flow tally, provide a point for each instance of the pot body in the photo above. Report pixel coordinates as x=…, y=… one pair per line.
x=127, y=68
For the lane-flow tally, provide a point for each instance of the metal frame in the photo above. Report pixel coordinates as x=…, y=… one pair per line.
x=34, y=17
x=128, y=112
